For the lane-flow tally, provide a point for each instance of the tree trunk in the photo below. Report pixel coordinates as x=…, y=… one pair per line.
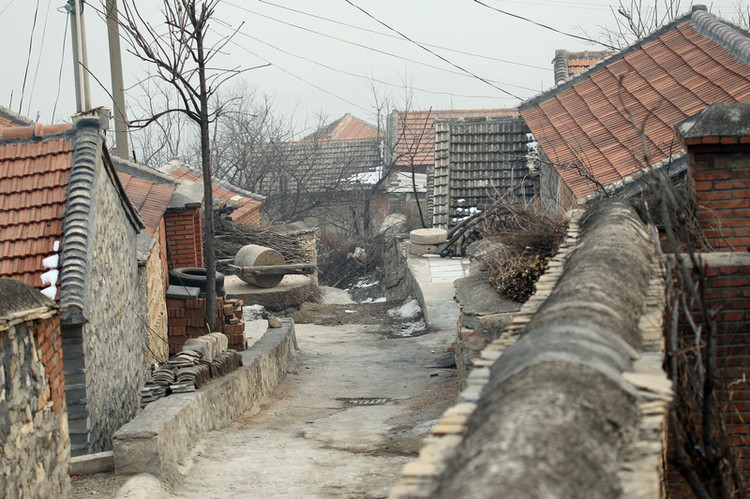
x=209, y=255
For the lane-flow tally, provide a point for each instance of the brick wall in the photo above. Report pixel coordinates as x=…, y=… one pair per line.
x=721, y=187
x=187, y=320
x=184, y=238
x=33, y=421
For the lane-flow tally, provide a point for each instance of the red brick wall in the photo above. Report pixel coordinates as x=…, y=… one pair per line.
x=721, y=186
x=727, y=292
x=184, y=238
x=47, y=333
x=186, y=319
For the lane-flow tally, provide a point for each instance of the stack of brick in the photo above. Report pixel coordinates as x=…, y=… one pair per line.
x=186, y=319
x=234, y=324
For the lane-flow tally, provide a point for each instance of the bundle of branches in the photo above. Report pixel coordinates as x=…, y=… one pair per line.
x=230, y=237
x=521, y=240
x=344, y=259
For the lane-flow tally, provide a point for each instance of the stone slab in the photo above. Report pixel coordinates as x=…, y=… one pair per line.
x=292, y=291
x=89, y=464
x=423, y=249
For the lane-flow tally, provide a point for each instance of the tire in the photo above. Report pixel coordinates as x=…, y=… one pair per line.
x=195, y=277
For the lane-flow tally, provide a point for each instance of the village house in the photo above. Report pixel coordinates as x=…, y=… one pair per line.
x=69, y=230
x=587, y=126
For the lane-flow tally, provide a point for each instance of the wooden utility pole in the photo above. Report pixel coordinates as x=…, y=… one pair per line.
x=118, y=88
x=80, y=57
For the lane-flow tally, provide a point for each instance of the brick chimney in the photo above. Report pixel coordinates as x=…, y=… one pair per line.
x=717, y=141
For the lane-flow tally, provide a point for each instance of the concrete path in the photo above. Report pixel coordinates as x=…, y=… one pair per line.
x=435, y=277
x=353, y=411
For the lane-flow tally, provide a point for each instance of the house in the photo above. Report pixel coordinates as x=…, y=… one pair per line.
x=68, y=229
x=478, y=160
x=586, y=125
x=245, y=205
x=151, y=194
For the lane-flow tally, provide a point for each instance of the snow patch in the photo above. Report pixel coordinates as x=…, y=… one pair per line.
x=51, y=262
x=50, y=292
x=50, y=277
x=56, y=246
x=374, y=300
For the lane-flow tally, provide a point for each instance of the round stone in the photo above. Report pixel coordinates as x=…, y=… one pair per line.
x=428, y=236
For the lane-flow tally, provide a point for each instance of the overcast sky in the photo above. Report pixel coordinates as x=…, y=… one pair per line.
x=324, y=54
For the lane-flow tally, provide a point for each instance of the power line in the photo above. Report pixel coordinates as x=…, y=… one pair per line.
x=299, y=77
x=28, y=58
x=432, y=52
x=363, y=77
x=394, y=37
x=373, y=49
x=59, y=78
x=7, y=7
x=39, y=59
x=522, y=18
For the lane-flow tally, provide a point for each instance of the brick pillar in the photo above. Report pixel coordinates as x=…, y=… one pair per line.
x=184, y=237
x=717, y=141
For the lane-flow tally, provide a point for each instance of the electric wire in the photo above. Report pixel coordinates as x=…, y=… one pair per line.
x=28, y=58
x=7, y=7
x=395, y=37
x=39, y=59
x=427, y=49
x=545, y=26
x=355, y=75
x=59, y=77
x=366, y=47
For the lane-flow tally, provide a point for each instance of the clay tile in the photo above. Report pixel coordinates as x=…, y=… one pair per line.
x=17, y=132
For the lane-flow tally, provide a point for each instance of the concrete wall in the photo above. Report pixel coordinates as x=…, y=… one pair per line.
x=161, y=437
x=34, y=442
x=115, y=339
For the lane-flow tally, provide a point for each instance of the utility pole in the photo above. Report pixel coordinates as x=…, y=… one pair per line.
x=118, y=88
x=80, y=57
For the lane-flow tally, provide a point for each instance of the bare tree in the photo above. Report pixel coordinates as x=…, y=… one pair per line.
x=179, y=50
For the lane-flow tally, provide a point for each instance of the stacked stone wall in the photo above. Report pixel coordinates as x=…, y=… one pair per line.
x=115, y=339
x=153, y=277
x=33, y=421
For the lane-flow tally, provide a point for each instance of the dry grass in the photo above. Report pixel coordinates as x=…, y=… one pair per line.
x=339, y=262
x=521, y=240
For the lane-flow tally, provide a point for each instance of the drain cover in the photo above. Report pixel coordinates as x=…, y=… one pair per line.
x=364, y=400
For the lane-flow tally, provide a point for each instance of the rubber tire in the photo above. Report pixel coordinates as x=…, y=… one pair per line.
x=195, y=277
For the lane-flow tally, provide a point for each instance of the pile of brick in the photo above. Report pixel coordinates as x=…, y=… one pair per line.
x=186, y=320
x=234, y=325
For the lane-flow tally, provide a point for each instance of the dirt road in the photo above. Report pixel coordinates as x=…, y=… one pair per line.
x=343, y=423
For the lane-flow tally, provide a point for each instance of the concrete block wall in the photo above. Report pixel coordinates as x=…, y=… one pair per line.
x=184, y=238
x=187, y=320
x=33, y=420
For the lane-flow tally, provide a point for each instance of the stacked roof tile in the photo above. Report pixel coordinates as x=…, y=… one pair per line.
x=413, y=132
x=584, y=124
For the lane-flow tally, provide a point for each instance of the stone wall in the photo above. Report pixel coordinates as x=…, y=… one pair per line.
x=398, y=281
x=153, y=284
x=572, y=397
x=33, y=421
x=115, y=339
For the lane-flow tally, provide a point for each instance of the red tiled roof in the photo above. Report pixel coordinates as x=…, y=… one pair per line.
x=9, y=118
x=149, y=198
x=33, y=185
x=346, y=128
x=578, y=61
x=665, y=79
x=245, y=206
x=413, y=132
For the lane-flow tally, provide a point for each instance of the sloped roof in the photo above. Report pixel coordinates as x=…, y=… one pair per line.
x=413, y=132
x=694, y=61
x=33, y=183
x=315, y=167
x=243, y=201
x=148, y=197
x=345, y=128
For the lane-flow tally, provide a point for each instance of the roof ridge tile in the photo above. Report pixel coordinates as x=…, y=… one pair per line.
x=725, y=35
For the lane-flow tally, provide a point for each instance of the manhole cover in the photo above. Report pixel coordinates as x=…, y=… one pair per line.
x=364, y=400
